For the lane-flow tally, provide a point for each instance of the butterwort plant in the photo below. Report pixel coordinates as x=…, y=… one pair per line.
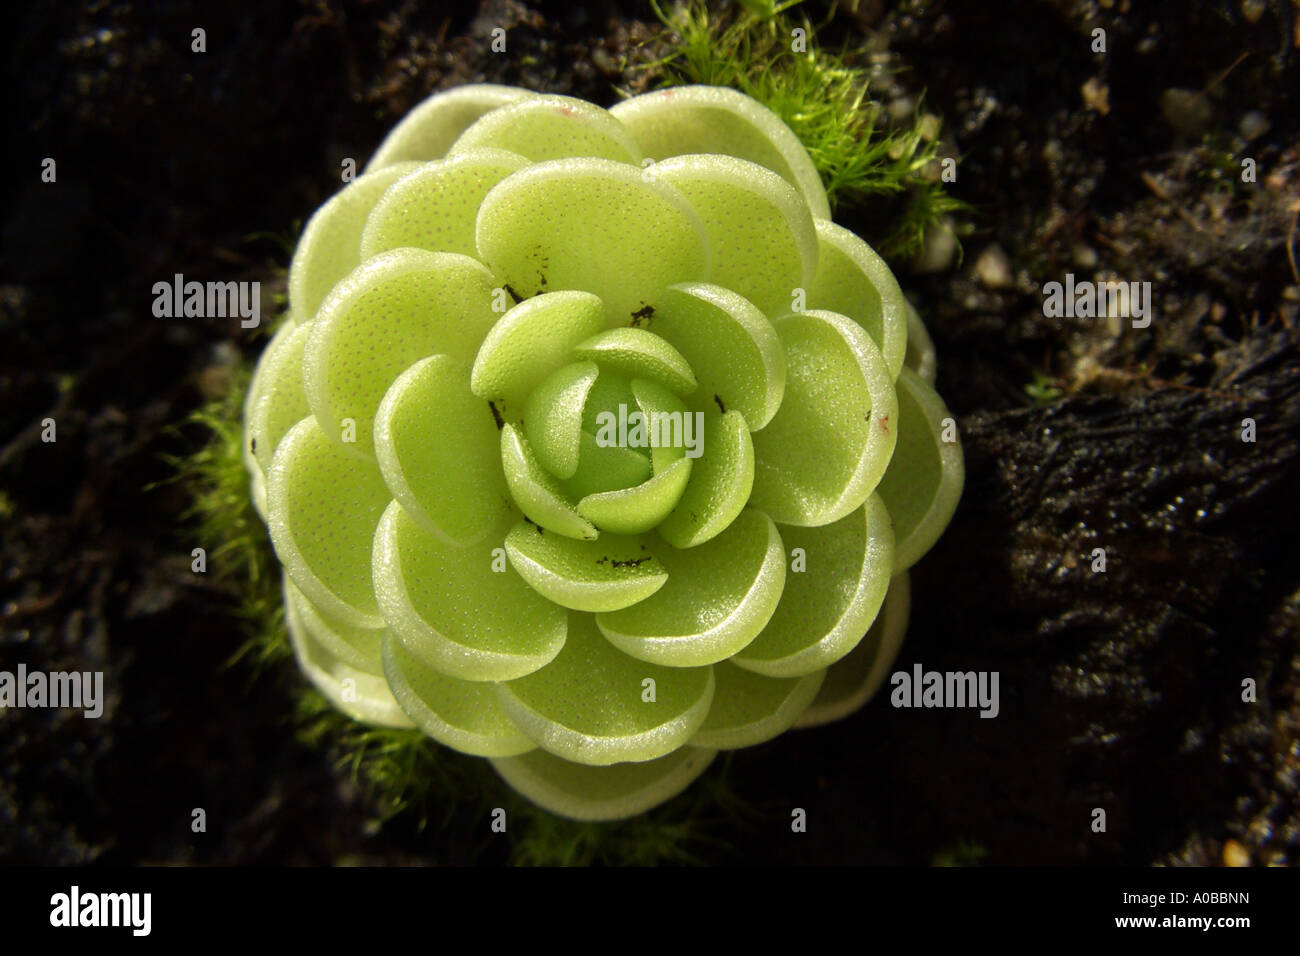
x=591, y=445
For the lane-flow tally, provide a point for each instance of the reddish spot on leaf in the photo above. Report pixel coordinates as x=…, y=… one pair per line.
x=884, y=424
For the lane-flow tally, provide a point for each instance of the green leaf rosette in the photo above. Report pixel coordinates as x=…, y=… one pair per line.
x=592, y=446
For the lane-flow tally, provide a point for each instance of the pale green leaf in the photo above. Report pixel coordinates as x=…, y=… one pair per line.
x=435, y=206
x=591, y=705
x=715, y=119
x=608, y=573
x=595, y=225
x=460, y=714
x=925, y=478
x=461, y=610
x=761, y=237
x=322, y=508
x=854, y=679
x=829, y=604
x=428, y=130
x=330, y=245
x=551, y=127
x=830, y=442
x=439, y=451
x=602, y=793
x=719, y=596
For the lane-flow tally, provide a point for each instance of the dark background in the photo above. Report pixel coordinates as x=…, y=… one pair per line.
x=1119, y=691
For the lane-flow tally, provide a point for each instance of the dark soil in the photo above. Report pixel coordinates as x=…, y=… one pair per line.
x=1121, y=691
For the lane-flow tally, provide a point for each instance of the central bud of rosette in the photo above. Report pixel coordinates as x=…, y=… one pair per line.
x=600, y=430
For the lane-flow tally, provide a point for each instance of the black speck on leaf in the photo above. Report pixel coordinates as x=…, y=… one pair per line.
x=718, y=398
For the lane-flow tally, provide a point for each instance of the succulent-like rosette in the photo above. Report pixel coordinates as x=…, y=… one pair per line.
x=592, y=446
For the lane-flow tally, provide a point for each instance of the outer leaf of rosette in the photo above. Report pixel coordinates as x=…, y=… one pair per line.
x=461, y=714
x=828, y=446
x=828, y=606
x=920, y=357
x=364, y=696
x=392, y=311
x=257, y=492
x=719, y=487
x=602, y=793
x=603, y=575
x=853, y=280
x=330, y=245
x=357, y=647
x=926, y=475
x=428, y=130
x=551, y=127
x=749, y=708
x=589, y=704
x=255, y=390
x=591, y=224
x=531, y=341
x=454, y=610
x=435, y=206
x=553, y=417
x=736, y=355
x=322, y=508
x=274, y=403
x=854, y=679
x=719, y=596
x=282, y=331
x=439, y=451
x=716, y=119
x=279, y=402
x=761, y=237
x=536, y=492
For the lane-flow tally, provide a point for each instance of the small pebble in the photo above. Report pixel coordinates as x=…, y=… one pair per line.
x=1096, y=96
x=1084, y=256
x=1253, y=125
x=993, y=268
x=1188, y=111
x=901, y=108
x=1234, y=854
x=939, y=249
x=1252, y=10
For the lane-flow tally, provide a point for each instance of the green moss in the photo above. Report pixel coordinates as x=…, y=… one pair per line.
x=964, y=853
x=1044, y=389
x=823, y=96
x=223, y=518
